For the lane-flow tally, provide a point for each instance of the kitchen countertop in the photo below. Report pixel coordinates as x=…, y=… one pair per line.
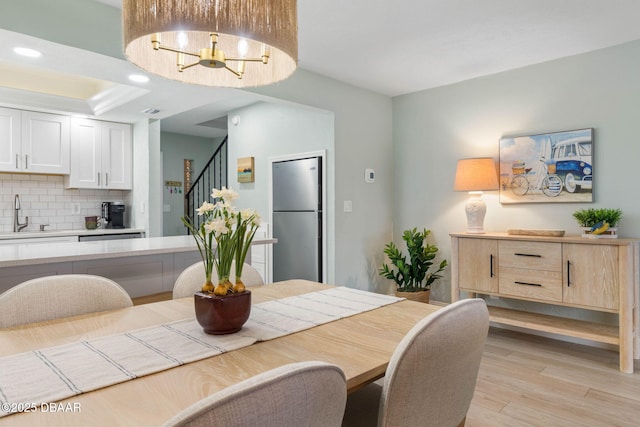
x=59, y=233
x=34, y=253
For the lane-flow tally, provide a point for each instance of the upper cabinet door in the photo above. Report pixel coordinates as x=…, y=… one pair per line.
x=9, y=140
x=85, y=154
x=116, y=155
x=45, y=143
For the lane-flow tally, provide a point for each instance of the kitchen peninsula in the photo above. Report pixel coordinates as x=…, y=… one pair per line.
x=142, y=266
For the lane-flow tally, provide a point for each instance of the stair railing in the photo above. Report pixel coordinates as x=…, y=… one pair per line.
x=213, y=175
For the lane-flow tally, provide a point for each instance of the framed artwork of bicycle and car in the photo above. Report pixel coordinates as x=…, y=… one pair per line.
x=547, y=168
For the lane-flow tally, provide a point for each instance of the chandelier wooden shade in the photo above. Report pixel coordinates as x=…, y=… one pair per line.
x=230, y=43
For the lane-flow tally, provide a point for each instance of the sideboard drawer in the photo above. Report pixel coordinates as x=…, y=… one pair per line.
x=530, y=255
x=533, y=284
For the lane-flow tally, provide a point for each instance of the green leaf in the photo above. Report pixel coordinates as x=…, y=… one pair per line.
x=413, y=274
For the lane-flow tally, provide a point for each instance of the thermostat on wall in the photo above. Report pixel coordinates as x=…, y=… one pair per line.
x=369, y=175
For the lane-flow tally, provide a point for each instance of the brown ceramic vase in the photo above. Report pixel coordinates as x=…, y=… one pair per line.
x=220, y=315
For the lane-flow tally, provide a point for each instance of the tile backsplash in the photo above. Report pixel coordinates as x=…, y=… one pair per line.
x=44, y=200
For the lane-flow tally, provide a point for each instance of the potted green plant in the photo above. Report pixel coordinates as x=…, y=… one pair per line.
x=412, y=277
x=600, y=222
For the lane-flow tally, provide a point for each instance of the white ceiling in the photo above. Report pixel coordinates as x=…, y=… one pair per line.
x=390, y=47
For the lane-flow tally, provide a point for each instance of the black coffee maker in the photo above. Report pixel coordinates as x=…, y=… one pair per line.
x=113, y=214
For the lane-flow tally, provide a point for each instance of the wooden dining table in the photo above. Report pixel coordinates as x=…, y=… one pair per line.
x=361, y=345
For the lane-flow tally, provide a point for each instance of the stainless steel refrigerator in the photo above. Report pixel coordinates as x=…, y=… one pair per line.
x=297, y=219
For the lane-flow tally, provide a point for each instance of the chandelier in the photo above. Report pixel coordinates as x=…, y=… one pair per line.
x=230, y=43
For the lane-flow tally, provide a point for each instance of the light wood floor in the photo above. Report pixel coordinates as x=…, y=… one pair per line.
x=526, y=380
x=152, y=298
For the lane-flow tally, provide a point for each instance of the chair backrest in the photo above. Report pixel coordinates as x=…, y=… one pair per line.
x=250, y=276
x=432, y=374
x=54, y=297
x=190, y=281
x=311, y=394
x=192, y=278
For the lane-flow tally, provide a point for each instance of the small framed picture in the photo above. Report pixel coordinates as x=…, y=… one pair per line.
x=547, y=168
x=245, y=169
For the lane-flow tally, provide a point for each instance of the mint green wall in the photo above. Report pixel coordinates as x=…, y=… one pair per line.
x=87, y=25
x=268, y=129
x=435, y=128
x=362, y=139
x=175, y=149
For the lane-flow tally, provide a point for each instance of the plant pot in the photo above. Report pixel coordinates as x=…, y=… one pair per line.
x=220, y=315
x=610, y=233
x=422, y=296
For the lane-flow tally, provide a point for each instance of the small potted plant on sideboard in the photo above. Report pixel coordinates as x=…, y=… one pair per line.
x=598, y=223
x=412, y=277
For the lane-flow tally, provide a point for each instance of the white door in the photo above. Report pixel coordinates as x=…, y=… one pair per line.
x=85, y=154
x=45, y=143
x=116, y=155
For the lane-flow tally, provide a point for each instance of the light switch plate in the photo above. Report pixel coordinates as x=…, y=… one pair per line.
x=369, y=176
x=348, y=206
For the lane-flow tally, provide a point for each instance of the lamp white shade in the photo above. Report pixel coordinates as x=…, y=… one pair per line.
x=476, y=175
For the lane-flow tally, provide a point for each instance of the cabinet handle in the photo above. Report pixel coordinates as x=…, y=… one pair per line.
x=491, y=265
x=98, y=179
x=106, y=179
x=26, y=161
x=531, y=255
x=17, y=160
x=528, y=284
x=568, y=273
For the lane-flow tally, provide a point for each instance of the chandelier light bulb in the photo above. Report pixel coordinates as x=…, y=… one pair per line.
x=183, y=39
x=243, y=48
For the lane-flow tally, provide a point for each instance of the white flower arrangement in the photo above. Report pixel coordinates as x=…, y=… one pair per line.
x=232, y=231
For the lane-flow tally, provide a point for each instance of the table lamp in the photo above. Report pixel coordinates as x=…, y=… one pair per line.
x=475, y=176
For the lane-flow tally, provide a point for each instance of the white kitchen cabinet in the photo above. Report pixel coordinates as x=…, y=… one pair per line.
x=100, y=155
x=34, y=142
x=10, y=144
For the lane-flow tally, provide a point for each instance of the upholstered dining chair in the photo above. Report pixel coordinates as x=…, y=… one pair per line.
x=304, y=394
x=192, y=278
x=432, y=374
x=54, y=297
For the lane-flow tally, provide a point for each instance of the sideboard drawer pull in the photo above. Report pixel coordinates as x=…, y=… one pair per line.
x=531, y=255
x=528, y=284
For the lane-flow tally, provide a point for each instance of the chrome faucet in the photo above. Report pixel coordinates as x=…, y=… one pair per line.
x=17, y=227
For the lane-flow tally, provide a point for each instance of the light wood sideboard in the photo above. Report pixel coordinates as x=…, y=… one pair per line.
x=592, y=274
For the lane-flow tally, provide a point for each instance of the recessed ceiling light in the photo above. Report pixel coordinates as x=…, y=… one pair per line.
x=25, y=51
x=138, y=78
